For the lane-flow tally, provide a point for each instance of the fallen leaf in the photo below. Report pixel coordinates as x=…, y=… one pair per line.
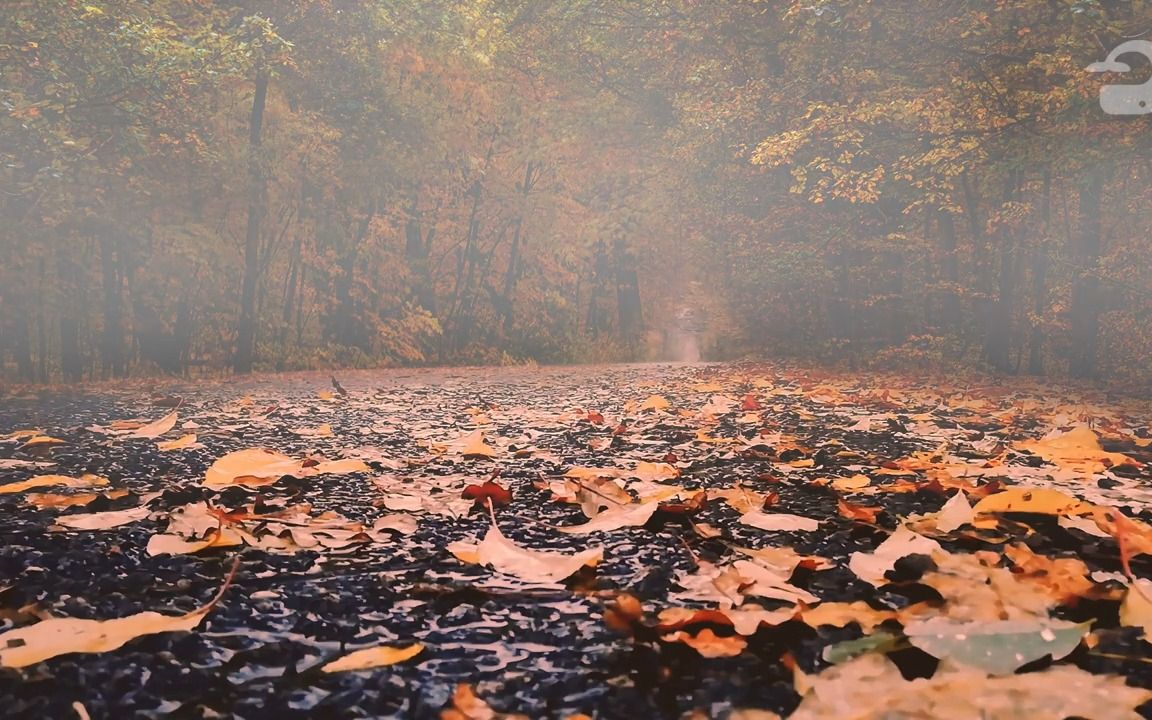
x=155, y=429
x=373, y=657
x=633, y=515
x=871, y=687
x=506, y=557
x=653, y=472
x=474, y=446
x=708, y=644
x=871, y=567
x=103, y=520
x=848, y=484
x=181, y=443
x=490, y=491
x=955, y=513
x=1136, y=608
x=654, y=402
x=1044, y=501
x=857, y=512
x=779, y=521
x=47, y=639
x=37, y=441
x=259, y=466
x=466, y=706
x=1078, y=449
x=839, y=614
x=997, y=647
x=52, y=480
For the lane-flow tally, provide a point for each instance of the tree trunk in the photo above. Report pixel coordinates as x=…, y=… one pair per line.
x=950, y=270
x=348, y=330
x=112, y=343
x=998, y=323
x=257, y=199
x=1040, y=280
x=1085, y=309
x=628, y=308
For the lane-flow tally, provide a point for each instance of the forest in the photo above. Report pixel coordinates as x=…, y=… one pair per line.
x=197, y=185
x=576, y=359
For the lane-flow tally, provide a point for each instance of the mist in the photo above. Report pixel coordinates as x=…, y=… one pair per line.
x=204, y=187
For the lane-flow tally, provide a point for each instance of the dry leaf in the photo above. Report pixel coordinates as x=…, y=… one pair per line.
x=615, y=518
x=871, y=567
x=374, y=657
x=155, y=429
x=52, y=480
x=47, y=639
x=506, y=557
x=1078, y=450
x=466, y=706
x=1136, y=609
x=709, y=644
x=103, y=520
x=779, y=521
x=181, y=443
x=1043, y=501
x=654, y=402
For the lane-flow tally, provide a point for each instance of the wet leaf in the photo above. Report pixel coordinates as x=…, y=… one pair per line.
x=83, y=481
x=374, y=657
x=504, y=556
x=156, y=428
x=779, y=521
x=47, y=639
x=998, y=647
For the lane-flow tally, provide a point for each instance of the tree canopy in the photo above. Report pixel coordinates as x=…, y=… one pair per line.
x=315, y=183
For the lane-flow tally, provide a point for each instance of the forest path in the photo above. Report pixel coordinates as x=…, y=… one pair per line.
x=703, y=459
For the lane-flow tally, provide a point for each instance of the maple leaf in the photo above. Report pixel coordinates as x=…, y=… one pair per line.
x=490, y=491
x=857, y=512
x=504, y=556
x=750, y=403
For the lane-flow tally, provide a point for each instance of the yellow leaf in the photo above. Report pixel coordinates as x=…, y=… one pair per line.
x=654, y=402
x=849, y=484
x=184, y=441
x=103, y=520
x=652, y=472
x=157, y=428
x=254, y=466
x=506, y=557
x=48, y=480
x=373, y=657
x=474, y=446
x=1136, y=609
x=1043, y=501
x=164, y=544
x=1078, y=449
x=38, y=440
x=47, y=639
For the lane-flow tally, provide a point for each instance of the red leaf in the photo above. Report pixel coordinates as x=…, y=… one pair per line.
x=688, y=507
x=858, y=512
x=750, y=403
x=481, y=494
x=595, y=418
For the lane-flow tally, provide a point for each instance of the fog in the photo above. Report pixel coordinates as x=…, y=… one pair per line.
x=207, y=187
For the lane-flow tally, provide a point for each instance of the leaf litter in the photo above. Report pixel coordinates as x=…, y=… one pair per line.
x=599, y=541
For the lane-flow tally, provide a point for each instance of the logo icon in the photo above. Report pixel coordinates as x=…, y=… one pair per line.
x=1134, y=99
